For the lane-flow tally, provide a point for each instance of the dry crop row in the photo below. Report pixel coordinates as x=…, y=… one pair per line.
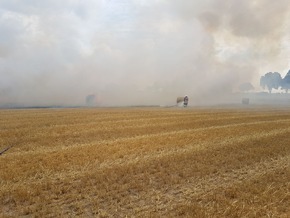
x=145, y=162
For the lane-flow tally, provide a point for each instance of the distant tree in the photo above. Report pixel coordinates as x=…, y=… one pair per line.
x=245, y=87
x=271, y=81
x=286, y=82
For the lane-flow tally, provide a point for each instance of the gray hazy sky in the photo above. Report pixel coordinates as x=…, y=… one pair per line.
x=137, y=51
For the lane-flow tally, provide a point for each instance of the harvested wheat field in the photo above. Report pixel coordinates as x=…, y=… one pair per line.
x=145, y=162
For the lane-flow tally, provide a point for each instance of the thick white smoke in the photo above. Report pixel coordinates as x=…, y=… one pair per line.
x=136, y=52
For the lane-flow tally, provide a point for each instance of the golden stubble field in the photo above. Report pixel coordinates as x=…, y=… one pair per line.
x=145, y=162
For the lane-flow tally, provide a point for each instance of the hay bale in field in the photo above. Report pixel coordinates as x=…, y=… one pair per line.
x=245, y=101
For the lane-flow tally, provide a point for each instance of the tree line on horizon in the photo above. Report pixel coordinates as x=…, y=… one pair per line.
x=275, y=81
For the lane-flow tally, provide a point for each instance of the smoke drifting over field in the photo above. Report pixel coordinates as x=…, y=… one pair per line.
x=135, y=51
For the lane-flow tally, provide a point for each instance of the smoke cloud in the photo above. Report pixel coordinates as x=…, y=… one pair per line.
x=130, y=52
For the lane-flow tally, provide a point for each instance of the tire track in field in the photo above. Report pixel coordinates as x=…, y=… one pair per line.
x=76, y=147
x=136, y=158
x=163, y=200
x=133, y=156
